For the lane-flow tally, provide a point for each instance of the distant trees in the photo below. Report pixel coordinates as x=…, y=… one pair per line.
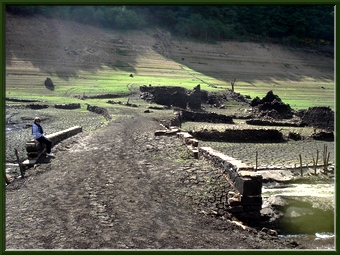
x=289, y=24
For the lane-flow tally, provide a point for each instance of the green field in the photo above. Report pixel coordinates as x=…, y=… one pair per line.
x=30, y=84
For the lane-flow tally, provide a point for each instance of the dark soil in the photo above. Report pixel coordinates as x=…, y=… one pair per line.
x=121, y=187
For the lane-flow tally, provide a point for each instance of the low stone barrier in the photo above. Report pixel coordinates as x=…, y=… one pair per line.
x=99, y=110
x=247, y=203
x=240, y=135
x=190, y=142
x=206, y=117
x=37, y=106
x=35, y=149
x=67, y=106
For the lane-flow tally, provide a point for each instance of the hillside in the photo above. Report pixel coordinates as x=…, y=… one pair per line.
x=65, y=50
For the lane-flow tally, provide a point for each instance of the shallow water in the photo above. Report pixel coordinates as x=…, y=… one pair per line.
x=318, y=241
x=308, y=217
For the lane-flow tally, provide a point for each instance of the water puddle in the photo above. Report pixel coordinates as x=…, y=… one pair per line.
x=318, y=241
x=307, y=212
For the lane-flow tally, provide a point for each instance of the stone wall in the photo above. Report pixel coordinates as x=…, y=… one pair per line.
x=37, y=106
x=172, y=96
x=67, y=106
x=206, y=117
x=99, y=110
x=319, y=117
x=240, y=135
x=247, y=203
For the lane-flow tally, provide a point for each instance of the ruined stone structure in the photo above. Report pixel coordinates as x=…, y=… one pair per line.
x=21, y=100
x=206, y=117
x=102, y=96
x=271, y=106
x=184, y=115
x=172, y=96
x=37, y=106
x=240, y=135
x=319, y=117
x=67, y=106
x=99, y=110
x=246, y=202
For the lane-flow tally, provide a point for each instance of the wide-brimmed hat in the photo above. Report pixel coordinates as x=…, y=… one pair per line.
x=36, y=118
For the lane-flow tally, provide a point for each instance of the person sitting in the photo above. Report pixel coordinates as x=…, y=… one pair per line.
x=38, y=134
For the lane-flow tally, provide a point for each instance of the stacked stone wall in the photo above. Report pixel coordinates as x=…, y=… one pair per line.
x=319, y=117
x=99, y=110
x=247, y=203
x=172, y=96
x=206, y=117
x=240, y=135
x=67, y=106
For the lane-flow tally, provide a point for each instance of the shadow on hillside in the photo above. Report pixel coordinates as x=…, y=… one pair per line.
x=270, y=72
x=65, y=70
x=63, y=48
x=66, y=48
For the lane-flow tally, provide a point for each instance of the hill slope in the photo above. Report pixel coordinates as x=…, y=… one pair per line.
x=65, y=50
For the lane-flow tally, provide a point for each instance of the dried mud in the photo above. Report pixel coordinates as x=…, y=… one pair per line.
x=121, y=187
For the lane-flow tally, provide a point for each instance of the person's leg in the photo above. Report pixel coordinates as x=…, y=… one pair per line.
x=46, y=141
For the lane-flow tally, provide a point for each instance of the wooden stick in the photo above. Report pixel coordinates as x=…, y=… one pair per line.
x=300, y=164
x=328, y=160
x=317, y=158
x=256, y=161
x=325, y=158
x=314, y=165
x=19, y=163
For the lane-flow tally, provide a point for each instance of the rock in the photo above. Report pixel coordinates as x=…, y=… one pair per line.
x=277, y=175
x=324, y=136
x=49, y=84
x=294, y=136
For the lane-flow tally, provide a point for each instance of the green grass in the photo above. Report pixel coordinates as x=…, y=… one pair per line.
x=159, y=72
x=299, y=95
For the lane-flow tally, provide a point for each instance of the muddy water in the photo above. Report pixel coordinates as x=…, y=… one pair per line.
x=308, y=213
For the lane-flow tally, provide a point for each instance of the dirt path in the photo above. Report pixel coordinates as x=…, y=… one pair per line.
x=122, y=188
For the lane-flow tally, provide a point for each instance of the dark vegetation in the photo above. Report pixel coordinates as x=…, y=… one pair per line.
x=293, y=25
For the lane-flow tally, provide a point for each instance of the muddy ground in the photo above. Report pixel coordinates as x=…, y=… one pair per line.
x=121, y=187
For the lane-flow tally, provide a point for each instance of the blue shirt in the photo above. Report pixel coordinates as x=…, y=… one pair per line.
x=37, y=131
